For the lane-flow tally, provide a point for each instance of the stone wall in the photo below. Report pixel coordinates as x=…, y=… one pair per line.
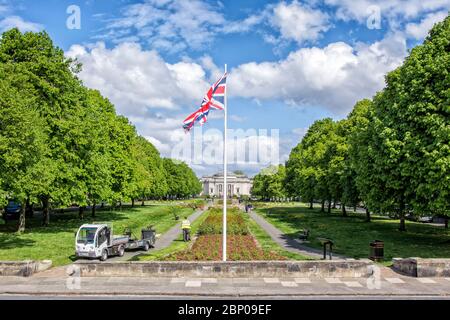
x=23, y=268
x=310, y=269
x=421, y=268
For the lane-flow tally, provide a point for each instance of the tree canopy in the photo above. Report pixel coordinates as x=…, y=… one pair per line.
x=392, y=153
x=62, y=143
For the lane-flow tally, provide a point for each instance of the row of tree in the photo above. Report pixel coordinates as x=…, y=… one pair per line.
x=62, y=143
x=392, y=153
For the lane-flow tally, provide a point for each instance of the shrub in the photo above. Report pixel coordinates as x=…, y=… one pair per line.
x=213, y=224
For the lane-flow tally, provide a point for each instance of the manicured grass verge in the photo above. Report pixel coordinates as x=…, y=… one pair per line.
x=352, y=235
x=56, y=242
x=266, y=242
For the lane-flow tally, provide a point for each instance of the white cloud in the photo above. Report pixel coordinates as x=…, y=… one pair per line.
x=136, y=80
x=299, y=22
x=175, y=25
x=141, y=84
x=17, y=22
x=171, y=25
x=393, y=10
x=334, y=77
x=420, y=30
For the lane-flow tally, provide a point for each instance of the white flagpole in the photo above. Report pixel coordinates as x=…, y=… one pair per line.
x=225, y=189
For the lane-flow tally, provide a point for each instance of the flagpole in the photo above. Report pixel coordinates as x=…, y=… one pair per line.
x=225, y=194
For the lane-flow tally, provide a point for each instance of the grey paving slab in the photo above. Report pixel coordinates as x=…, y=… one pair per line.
x=226, y=287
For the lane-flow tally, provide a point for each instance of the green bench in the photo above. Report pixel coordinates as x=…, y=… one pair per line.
x=304, y=234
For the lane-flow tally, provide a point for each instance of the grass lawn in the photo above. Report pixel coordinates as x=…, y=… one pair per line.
x=352, y=235
x=56, y=242
x=267, y=244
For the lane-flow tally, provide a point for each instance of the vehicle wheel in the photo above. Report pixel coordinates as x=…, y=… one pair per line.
x=104, y=256
x=146, y=246
x=121, y=251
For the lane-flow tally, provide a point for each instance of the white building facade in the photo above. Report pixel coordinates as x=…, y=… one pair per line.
x=238, y=185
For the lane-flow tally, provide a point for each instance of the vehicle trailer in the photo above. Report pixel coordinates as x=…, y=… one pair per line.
x=96, y=241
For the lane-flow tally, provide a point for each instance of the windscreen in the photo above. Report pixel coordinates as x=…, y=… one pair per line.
x=86, y=235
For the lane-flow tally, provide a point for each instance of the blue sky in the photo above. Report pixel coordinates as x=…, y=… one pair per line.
x=290, y=62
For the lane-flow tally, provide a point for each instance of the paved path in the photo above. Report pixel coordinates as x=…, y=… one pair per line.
x=286, y=242
x=162, y=242
x=304, y=288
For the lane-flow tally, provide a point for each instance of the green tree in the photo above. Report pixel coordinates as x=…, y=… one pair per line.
x=313, y=166
x=42, y=72
x=149, y=176
x=22, y=143
x=366, y=176
x=269, y=183
x=181, y=180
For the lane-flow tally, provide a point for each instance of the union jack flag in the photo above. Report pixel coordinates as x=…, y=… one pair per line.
x=214, y=98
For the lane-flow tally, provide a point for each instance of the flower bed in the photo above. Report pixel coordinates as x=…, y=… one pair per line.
x=213, y=224
x=241, y=246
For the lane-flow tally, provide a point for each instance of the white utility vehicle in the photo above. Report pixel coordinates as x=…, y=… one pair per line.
x=97, y=241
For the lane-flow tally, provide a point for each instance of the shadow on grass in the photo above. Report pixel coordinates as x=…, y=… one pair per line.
x=67, y=222
x=12, y=241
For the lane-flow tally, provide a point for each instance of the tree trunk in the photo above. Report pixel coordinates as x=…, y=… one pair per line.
x=93, y=209
x=120, y=205
x=329, y=206
x=45, y=211
x=334, y=204
x=446, y=223
x=323, y=206
x=344, y=211
x=132, y=203
x=28, y=208
x=81, y=212
x=354, y=208
x=368, y=215
x=402, y=216
x=311, y=205
x=21, y=227
x=143, y=203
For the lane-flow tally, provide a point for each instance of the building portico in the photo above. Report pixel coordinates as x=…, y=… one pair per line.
x=237, y=185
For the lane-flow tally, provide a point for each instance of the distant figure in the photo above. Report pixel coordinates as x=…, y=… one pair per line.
x=186, y=227
x=246, y=208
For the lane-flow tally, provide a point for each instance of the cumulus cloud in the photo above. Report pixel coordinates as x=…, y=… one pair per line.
x=142, y=84
x=18, y=22
x=136, y=80
x=420, y=30
x=390, y=9
x=298, y=22
x=334, y=77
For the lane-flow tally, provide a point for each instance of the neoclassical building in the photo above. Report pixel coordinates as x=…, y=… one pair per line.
x=238, y=185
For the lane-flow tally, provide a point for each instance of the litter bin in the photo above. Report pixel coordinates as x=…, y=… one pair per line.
x=377, y=250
